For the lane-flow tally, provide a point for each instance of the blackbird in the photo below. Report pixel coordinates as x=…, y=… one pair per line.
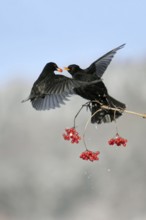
x=50, y=90
x=97, y=93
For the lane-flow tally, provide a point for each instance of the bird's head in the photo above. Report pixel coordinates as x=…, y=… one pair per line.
x=52, y=67
x=72, y=69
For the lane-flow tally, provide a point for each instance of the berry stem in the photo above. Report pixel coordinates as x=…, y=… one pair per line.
x=86, y=104
x=116, y=126
x=86, y=125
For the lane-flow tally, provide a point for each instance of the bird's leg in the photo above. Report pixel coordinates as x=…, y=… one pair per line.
x=87, y=104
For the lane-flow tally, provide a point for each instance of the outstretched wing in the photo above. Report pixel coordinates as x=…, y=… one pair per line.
x=53, y=93
x=51, y=101
x=100, y=65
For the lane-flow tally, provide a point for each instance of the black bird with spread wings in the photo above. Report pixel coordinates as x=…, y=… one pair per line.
x=97, y=93
x=51, y=90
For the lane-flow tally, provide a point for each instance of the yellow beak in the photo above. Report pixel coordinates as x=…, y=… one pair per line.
x=66, y=68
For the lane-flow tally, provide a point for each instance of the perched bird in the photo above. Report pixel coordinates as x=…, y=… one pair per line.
x=97, y=93
x=51, y=90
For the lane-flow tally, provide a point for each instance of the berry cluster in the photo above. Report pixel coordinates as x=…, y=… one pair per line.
x=90, y=155
x=71, y=134
x=118, y=141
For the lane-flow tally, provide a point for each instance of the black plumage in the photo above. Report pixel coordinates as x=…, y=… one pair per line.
x=97, y=93
x=50, y=90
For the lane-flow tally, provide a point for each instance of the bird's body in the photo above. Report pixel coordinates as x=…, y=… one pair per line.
x=97, y=93
x=89, y=91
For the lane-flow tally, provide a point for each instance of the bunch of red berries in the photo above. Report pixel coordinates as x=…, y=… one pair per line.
x=90, y=155
x=118, y=141
x=72, y=134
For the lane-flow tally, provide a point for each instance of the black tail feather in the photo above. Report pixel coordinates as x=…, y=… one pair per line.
x=106, y=115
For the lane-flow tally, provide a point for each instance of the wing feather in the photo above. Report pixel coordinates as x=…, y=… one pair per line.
x=50, y=101
x=100, y=65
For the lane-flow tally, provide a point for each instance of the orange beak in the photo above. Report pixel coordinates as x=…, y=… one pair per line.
x=66, y=68
x=59, y=70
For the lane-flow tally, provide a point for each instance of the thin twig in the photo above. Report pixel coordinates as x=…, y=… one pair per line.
x=124, y=110
x=143, y=115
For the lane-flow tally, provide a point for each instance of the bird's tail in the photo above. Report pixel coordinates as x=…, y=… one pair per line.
x=106, y=115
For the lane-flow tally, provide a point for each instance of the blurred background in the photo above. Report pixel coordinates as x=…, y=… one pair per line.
x=41, y=175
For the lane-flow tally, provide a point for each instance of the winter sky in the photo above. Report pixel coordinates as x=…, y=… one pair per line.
x=36, y=32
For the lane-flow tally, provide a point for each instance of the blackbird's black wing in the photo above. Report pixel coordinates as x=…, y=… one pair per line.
x=100, y=65
x=61, y=84
x=49, y=101
x=54, y=92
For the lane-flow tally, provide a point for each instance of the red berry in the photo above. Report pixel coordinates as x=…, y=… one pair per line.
x=118, y=141
x=72, y=134
x=90, y=155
